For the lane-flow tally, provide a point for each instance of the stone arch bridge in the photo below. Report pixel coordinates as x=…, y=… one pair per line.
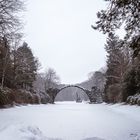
x=52, y=92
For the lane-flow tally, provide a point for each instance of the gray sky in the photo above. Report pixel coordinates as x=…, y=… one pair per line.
x=60, y=34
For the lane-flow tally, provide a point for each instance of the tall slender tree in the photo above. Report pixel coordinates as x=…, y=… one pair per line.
x=5, y=63
x=117, y=64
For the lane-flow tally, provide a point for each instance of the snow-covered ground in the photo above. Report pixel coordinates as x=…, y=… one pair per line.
x=70, y=121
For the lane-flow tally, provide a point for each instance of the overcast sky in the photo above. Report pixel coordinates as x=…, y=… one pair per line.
x=60, y=34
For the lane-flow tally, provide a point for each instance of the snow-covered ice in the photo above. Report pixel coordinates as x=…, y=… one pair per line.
x=70, y=121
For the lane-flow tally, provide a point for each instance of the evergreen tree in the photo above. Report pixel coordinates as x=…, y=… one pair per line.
x=26, y=67
x=130, y=84
x=117, y=13
x=117, y=64
x=121, y=12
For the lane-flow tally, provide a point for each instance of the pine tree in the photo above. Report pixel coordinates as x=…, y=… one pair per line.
x=117, y=64
x=126, y=13
x=130, y=84
x=26, y=67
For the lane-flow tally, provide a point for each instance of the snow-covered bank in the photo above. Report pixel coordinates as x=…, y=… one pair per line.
x=70, y=121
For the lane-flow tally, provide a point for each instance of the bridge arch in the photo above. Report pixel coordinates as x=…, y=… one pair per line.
x=75, y=86
x=54, y=92
x=83, y=89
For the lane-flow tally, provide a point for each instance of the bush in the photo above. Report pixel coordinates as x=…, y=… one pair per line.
x=44, y=98
x=36, y=99
x=4, y=97
x=10, y=97
x=134, y=100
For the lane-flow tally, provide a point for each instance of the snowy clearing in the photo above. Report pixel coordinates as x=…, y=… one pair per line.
x=70, y=121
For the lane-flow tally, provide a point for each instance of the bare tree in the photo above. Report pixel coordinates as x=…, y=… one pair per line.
x=97, y=79
x=9, y=20
x=51, y=79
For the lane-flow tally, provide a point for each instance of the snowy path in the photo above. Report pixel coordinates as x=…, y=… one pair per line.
x=70, y=121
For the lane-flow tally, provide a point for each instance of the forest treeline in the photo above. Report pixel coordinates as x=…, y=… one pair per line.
x=123, y=55
x=20, y=82
x=18, y=65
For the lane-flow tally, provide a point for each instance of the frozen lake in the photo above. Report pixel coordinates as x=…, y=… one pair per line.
x=70, y=121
